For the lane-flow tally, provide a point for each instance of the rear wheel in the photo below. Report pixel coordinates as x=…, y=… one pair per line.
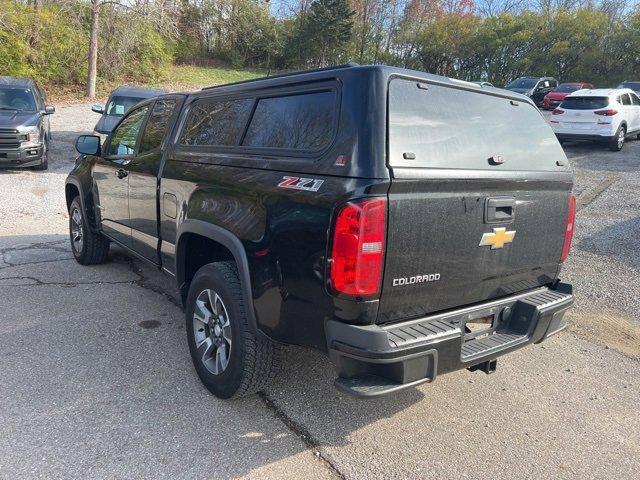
x=89, y=248
x=618, y=142
x=230, y=359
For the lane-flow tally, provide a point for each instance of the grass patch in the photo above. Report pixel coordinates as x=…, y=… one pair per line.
x=189, y=77
x=179, y=78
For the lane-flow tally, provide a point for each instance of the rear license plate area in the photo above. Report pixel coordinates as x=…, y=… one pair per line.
x=479, y=327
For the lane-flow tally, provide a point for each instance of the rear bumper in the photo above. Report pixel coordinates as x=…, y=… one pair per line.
x=21, y=157
x=375, y=360
x=586, y=136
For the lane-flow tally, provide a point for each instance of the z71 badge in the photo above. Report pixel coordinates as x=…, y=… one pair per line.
x=297, y=183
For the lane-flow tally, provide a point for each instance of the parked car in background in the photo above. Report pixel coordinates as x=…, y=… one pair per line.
x=119, y=103
x=555, y=97
x=633, y=85
x=534, y=87
x=600, y=115
x=24, y=124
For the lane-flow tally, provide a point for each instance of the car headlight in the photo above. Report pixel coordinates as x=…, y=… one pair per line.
x=32, y=133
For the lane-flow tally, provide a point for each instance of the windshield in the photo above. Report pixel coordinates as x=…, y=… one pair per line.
x=632, y=85
x=584, y=103
x=568, y=88
x=118, y=106
x=523, y=83
x=19, y=99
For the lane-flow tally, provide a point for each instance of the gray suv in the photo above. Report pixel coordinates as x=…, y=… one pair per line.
x=533, y=87
x=24, y=124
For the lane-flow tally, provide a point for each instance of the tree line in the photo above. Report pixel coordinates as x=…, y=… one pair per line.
x=73, y=42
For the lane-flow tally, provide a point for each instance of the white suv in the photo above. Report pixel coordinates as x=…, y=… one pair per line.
x=601, y=115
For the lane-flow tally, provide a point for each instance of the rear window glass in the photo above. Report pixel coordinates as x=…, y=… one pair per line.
x=297, y=122
x=216, y=123
x=584, y=103
x=444, y=127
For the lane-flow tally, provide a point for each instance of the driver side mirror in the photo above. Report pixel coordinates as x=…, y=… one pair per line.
x=88, y=145
x=97, y=109
x=49, y=109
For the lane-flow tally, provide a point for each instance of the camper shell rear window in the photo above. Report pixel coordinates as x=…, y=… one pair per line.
x=440, y=126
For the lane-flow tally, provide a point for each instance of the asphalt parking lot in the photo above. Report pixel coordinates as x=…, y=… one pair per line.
x=96, y=379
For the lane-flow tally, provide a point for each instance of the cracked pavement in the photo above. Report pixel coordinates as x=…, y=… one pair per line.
x=96, y=379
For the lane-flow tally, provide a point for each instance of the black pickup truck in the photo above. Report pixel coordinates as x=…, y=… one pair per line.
x=406, y=224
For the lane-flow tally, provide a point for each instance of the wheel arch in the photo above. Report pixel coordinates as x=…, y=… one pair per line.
x=72, y=188
x=224, y=240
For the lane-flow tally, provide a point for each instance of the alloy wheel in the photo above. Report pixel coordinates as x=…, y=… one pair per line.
x=212, y=331
x=621, y=135
x=77, y=230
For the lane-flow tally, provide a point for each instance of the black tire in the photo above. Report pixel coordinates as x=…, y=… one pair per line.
x=44, y=161
x=617, y=144
x=252, y=360
x=92, y=248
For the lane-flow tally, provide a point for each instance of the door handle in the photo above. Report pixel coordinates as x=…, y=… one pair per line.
x=121, y=173
x=499, y=209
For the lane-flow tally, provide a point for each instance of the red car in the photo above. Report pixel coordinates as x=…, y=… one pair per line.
x=554, y=98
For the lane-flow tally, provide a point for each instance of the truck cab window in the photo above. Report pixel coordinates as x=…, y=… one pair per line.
x=125, y=136
x=299, y=122
x=157, y=125
x=216, y=122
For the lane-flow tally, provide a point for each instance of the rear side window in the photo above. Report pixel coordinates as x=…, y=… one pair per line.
x=296, y=122
x=634, y=99
x=435, y=126
x=584, y=103
x=216, y=122
x=157, y=125
x=624, y=99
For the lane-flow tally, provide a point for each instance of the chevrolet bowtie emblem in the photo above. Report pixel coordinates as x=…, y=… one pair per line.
x=498, y=238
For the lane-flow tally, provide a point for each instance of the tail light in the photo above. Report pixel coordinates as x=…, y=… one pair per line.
x=557, y=111
x=609, y=112
x=357, y=253
x=568, y=234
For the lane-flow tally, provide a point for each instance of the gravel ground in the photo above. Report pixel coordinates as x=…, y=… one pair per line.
x=605, y=260
x=87, y=390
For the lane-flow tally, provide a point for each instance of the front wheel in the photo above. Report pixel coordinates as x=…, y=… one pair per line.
x=89, y=248
x=618, y=142
x=44, y=161
x=229, y=357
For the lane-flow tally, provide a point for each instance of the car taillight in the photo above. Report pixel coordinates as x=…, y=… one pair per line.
x=568, y=234
x=557, y=111
x=357, y=253
x=609, y=112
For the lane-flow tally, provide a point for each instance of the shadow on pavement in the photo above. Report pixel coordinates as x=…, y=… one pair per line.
x=96, y=380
